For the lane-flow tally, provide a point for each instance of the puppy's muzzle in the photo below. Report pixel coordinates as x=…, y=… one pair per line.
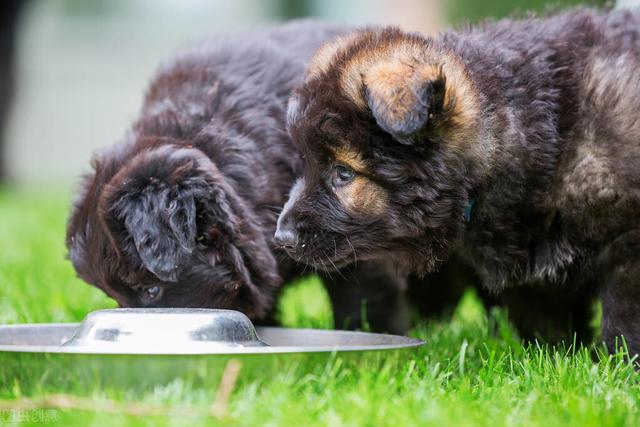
x=286, y=237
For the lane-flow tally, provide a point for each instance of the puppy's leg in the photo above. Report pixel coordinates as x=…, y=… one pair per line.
x=619, y=273
x=369, y=289
x=545, y=314
x=439, y=293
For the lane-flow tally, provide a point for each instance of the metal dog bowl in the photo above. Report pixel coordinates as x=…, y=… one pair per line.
x=143, y=348
x=185, y=331
x=166, y=331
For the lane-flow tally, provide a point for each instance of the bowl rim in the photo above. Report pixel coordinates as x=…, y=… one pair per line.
x=397, y=342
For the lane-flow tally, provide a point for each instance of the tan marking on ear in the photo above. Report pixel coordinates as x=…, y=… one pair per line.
x=361, y=63
x=461, y=96
x=393, y=61
x=389, y=60
x=349, y=157
x=390, y=81
x=326, y=54
x=363, y=197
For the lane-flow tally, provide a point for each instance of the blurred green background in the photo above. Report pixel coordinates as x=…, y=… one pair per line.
x=81, y=66
x=462, y=10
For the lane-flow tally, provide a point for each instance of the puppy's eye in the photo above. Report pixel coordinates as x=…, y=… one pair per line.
x=152, y=293
x=342, y=175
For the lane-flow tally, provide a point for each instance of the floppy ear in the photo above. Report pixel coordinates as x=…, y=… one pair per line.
x=404, y=98
x=162, y=225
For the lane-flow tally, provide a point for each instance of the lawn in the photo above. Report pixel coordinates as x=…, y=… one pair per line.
x=473, y=370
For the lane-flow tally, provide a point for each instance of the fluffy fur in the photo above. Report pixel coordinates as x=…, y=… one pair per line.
x=182, y=212
x=514, y=145
x=189, y=199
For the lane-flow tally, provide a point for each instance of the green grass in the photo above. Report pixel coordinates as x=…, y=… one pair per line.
x=465, y=375
x=462, y=11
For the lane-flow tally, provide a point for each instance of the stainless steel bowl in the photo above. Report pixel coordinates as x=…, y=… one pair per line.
x=165, y=330
x=142, y=348
x=184, y=331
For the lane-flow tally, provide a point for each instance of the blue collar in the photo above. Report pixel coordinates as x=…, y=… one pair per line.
x=469, y=210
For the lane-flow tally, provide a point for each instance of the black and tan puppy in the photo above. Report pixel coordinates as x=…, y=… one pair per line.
x=182, y=212
x=514, y=145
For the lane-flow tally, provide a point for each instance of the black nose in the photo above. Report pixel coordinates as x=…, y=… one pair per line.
x=286, y=237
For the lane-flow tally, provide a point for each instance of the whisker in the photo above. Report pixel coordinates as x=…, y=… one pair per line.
x=334, y=266
x=355, y=255
x=328, y=273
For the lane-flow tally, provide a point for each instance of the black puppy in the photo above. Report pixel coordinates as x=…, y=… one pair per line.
x=182, y=212
x=514, y=145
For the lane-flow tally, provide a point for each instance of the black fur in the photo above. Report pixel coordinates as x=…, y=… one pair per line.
x=188, y=201
x=534, y=181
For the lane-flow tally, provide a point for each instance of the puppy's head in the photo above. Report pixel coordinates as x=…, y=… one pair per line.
x=163, y=228
x=386, y=122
